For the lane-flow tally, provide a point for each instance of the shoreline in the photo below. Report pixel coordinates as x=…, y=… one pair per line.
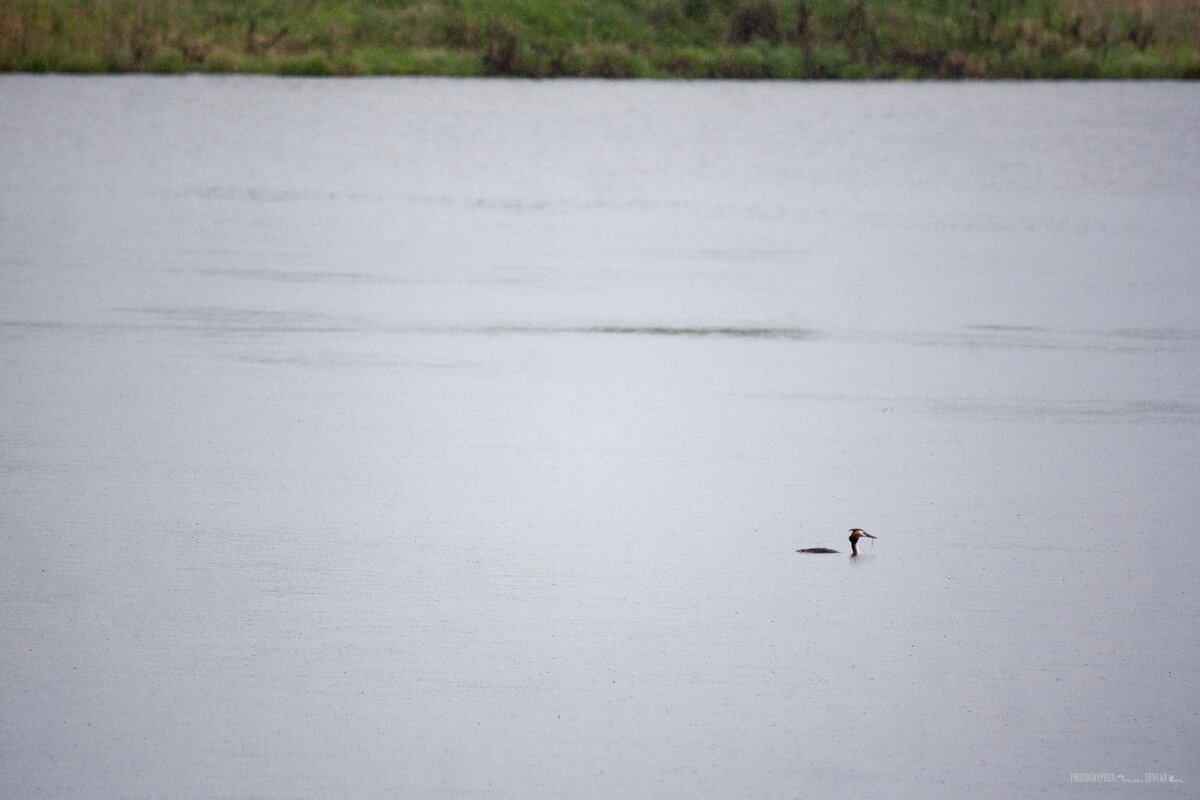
x=657, y=39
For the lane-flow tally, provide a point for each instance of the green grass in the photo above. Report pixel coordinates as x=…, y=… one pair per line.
x=741, y=39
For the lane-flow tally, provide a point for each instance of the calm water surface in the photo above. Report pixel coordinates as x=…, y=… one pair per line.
x=418, y=438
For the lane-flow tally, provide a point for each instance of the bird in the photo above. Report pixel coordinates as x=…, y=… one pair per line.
x=855, y=535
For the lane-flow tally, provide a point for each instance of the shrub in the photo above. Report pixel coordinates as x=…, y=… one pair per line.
x=82, y=63
x=38, y=61
x=117, y=59
x=747, y=63
x=687, y=62
x=169, y=61
x=1053, y=44
x=827, y=61
x=449, y=62
x=1188, y=66
x=219, y=61
x=502, y=51
x=855, y=71
x=1126, y=61
x=255, y=65
x=755, y=19
x=313, y=64
x=1139, y=31
x=665, y=15
x=1022, y=62
x=785, y=62
x=608, y=61
x=1077, y=64
x=382, y=61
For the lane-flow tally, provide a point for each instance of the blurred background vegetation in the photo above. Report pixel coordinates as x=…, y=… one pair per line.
x=1072, y=39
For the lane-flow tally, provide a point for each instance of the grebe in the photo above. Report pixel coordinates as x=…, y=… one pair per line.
x=855, y=535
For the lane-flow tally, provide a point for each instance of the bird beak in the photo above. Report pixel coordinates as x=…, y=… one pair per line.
x=869, y=536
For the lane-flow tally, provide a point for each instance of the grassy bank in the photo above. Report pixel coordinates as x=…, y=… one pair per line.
x=610, y=38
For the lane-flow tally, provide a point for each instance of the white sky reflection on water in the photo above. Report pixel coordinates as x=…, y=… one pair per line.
x=454, y=438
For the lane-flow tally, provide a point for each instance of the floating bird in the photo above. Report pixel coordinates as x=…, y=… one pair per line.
x=855, y=535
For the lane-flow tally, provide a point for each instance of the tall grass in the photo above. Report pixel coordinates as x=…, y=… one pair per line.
x=1074, y=39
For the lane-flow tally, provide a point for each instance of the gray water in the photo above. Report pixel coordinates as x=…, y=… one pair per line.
x=423, y=438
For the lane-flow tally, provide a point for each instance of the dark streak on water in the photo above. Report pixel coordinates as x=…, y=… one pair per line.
x=728, y=332
x=227, y=320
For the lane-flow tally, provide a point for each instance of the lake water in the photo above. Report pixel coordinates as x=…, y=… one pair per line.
x=427, y=438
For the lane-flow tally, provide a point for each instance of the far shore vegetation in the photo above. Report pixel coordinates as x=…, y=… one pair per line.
x=747, y=39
